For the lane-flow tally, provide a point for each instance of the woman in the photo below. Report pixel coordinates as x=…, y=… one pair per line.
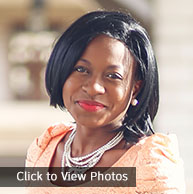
x=103, y=71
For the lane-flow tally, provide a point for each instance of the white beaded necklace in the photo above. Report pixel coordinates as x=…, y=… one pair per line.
x=89, y=160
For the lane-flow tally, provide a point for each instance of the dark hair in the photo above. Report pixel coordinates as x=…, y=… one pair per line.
x=71, y=45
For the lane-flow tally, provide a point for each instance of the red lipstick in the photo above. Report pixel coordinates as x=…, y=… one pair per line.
x=90, y=106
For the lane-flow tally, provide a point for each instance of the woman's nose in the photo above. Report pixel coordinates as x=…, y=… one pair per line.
x=94, y=87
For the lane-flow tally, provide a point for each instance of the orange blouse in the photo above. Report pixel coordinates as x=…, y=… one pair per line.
x=159, y=169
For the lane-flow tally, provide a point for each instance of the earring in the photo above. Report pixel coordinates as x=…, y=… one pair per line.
x=134, y=102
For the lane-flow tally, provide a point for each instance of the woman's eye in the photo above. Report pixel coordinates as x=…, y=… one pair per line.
x=114, y=76
x=81, y=69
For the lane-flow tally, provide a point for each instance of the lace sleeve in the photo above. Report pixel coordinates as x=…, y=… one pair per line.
x=40, y=144
x=159, y=167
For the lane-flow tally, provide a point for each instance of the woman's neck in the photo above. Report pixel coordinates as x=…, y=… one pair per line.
x=87, y=140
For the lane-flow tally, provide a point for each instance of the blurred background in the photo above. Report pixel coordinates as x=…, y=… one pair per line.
x=28, y=30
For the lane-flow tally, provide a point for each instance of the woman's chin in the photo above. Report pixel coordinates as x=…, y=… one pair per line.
x=91, y=122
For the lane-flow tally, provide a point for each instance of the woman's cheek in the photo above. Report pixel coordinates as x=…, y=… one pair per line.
x=70, y=84
x=123, y=95
x=120, y=93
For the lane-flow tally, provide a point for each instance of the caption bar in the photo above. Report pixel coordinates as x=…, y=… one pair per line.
x=67, y=177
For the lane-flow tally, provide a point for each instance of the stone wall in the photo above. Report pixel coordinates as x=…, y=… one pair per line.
x=173, y=35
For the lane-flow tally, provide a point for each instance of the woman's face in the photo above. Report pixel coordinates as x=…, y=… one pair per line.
x=99, y=90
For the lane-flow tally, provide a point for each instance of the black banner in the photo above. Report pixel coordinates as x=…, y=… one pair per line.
x=68, y=177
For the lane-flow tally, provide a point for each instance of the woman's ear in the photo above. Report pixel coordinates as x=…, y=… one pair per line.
x=136, y=88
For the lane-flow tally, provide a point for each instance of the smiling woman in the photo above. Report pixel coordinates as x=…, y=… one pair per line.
x=103, y=71
x=105, y=68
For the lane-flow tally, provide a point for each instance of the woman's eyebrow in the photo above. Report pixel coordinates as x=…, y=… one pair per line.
x=115, y=67
x=85, y=61
x=111, y=66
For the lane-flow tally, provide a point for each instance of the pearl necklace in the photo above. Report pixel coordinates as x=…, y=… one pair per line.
x=89, y=160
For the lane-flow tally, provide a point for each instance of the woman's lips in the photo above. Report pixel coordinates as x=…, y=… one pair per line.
x=91, y=106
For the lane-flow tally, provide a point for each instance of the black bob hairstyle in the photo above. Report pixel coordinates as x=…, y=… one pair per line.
x=71, y=45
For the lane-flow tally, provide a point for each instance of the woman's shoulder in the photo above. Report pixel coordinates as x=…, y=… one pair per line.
x=40, y=143
x=53, y=131
x=158, y=164
x=159, y=146
x=155, y=147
